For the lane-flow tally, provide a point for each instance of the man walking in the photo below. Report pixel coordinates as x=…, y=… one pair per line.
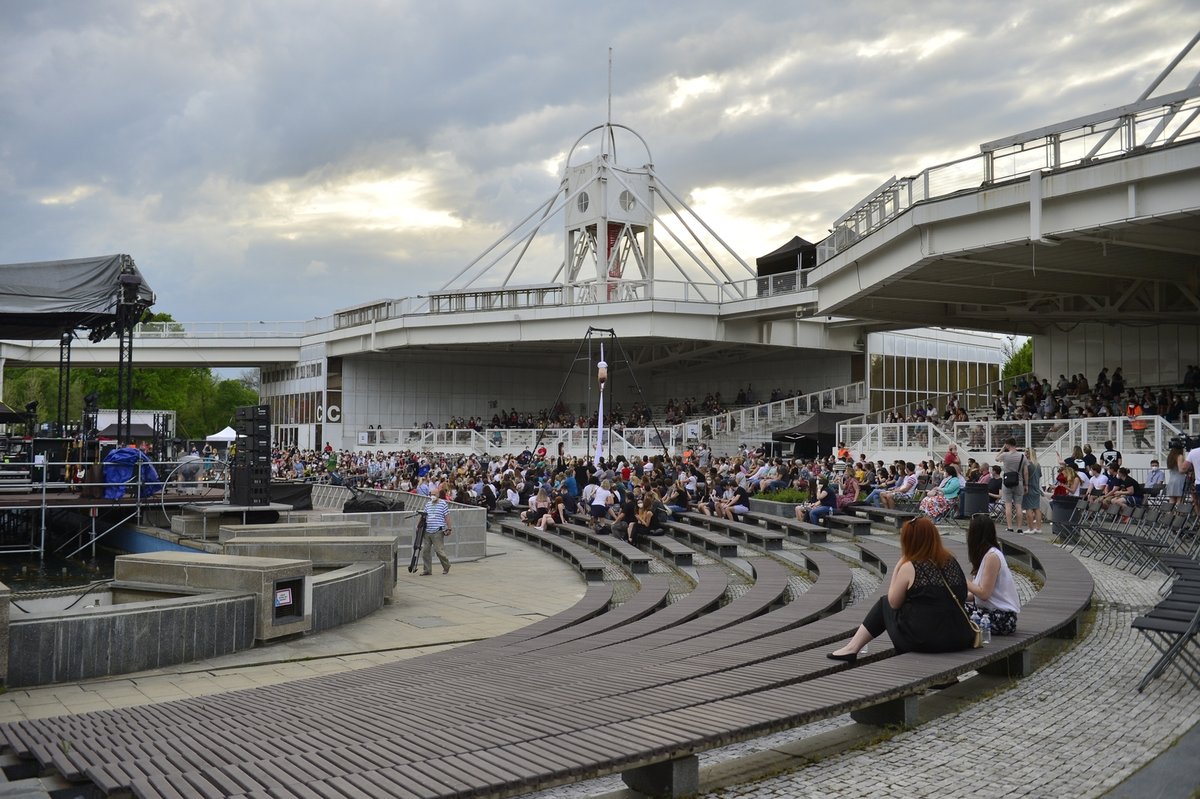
x=437, y=527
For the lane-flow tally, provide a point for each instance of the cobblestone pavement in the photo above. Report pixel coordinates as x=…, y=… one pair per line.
x=1075, y=728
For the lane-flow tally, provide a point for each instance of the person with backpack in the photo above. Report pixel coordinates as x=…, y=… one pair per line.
x=1014, y=476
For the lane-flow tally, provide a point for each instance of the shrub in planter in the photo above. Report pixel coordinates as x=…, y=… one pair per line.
x=792, y=495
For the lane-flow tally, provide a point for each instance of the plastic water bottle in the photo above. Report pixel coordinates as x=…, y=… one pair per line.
x=975, y=617
x=985, y=625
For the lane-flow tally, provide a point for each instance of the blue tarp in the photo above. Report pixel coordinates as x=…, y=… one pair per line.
x=119, y=468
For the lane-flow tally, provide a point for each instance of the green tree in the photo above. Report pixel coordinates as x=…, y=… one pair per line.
x=202, y=402
x=1020, y=360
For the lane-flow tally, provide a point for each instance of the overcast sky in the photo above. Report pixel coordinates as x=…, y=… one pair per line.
x=280, y=160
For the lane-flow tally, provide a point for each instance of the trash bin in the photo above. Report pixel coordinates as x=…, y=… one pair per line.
x=974, y=499
x=1062, y=508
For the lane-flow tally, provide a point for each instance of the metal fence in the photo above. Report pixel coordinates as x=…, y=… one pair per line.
x=1148, y=124
x=1050, y=438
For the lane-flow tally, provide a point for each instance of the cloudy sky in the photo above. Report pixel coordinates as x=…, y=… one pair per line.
x=284, y=158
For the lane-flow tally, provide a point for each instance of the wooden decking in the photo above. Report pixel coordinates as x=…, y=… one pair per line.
x=588, y=692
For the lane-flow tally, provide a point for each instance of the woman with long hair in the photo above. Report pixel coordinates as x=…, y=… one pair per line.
x=1176, y=476
x=992, y=588
x=924, y=607
x=1031, y=502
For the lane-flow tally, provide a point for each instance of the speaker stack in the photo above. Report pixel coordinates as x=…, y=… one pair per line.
x=252, y=461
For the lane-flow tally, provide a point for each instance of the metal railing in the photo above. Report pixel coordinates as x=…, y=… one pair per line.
x=768, y=414
x=1050, y=438
x=168, y=330
x=571, y=441
x=53, y=478
x=1147, y=124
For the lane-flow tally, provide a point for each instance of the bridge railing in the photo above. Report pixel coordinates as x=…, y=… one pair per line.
x=1156, y=122
x=571, y=441
x=168, y=330
x=836, y=399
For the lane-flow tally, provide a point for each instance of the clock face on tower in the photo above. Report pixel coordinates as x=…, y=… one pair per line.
x=627, y=200
x=583, y=202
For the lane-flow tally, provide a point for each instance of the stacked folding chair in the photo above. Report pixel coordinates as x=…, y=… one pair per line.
x=1172, y=628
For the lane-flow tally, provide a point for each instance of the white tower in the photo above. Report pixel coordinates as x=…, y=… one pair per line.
x=609, y=252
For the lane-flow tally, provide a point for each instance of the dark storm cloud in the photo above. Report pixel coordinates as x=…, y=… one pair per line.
x=321, y=155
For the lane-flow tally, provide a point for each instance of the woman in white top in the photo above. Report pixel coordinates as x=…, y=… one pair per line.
x=600, y=502
x=991, y=587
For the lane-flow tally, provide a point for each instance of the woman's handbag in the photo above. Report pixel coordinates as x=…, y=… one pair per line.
x=978, y=642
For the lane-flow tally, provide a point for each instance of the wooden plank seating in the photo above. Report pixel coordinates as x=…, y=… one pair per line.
x=589, y=564
x=675, y=552
x=751, y=533
x=636, y=707
x=702, y=601
x=713, y=542
x=855, y=525
x=894, y=517
x=625, y=552
x=651, y=597
x=794, y=528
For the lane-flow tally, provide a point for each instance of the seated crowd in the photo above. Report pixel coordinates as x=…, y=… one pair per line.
x=1070, y=398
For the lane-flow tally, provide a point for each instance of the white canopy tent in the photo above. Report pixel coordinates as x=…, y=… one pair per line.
x=226, y=435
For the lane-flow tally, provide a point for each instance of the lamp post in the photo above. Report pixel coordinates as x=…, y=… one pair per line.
x=601, y=378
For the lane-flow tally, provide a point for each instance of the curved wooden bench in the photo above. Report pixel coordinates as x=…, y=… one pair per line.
x=519, y=722
x=677, y=552
x=793, y=528
x=590, y=565
x=635, y=559
x=751, y=533
x=713, y=542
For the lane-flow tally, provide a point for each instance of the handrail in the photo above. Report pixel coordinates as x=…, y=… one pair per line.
x=1145, y=125
x=752, y=416
x=1049, y=438
x=575, y=441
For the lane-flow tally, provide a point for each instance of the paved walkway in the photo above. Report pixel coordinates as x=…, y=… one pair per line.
x=1075, y=728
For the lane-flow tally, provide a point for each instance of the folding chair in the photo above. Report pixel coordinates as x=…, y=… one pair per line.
x=1173, y=634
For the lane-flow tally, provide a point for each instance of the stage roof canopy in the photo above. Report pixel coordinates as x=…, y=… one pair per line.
x=44, y=299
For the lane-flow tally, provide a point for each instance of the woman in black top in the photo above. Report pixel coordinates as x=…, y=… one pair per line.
x=923, y=609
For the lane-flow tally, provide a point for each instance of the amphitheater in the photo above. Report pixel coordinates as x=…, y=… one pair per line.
x=567, y=664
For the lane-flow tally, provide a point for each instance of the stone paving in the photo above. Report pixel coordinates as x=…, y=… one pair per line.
x=1077, y=727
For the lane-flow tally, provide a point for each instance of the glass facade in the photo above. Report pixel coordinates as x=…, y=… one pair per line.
x=903, y=370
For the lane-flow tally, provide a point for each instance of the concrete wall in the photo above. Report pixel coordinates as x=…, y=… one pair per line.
x=469, y=541
x=77, y=645
x=258, y=576
x=348, y=594
x=410, y=389
x=341, y=527
x=321, y=551
x=1147, y=355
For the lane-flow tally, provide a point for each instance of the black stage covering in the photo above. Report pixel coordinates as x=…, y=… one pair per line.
x=796, y=254
x=298, y=495
x=43, y=299
x=138, y=430
x=816, y=435
x=9, y=416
